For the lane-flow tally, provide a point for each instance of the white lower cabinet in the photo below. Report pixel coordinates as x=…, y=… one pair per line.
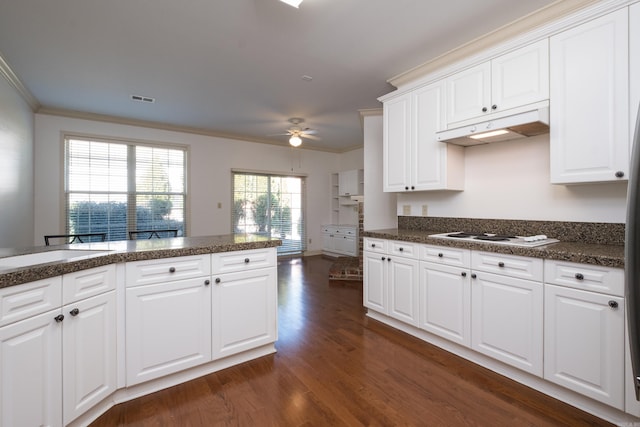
x=243, y=314
x=31, y=372
x=89, y=350
x=507, y=316
x=391, y=279
x=445, y=302
x=168, y=328
x=584, y=343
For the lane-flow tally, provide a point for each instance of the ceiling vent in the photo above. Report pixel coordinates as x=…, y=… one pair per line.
x=142, y=99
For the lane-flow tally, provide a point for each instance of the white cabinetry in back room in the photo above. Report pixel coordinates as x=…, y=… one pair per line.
x=515, y=79
x=344, y=210
x=589, y=127
x=414, y=160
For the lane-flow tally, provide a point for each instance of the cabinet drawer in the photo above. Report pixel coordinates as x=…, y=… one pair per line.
x=23, y=301
x=446, y=256
x=508, y=265
x=586, y=277
x=347, y=231
x=375, y=245
x=167, y=269
x=88, y=283
x=330, y=229
x=227, y=262
x=404, y=249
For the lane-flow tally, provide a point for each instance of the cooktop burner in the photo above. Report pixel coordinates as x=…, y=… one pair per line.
x=523, y=241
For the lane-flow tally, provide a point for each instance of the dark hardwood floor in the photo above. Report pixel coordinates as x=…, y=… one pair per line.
x=335, y=367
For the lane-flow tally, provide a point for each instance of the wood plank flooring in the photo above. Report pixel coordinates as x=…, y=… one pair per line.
x=335, y=367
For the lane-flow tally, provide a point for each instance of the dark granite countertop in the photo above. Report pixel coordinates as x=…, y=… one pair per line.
x=586, y=253
x=124, y=251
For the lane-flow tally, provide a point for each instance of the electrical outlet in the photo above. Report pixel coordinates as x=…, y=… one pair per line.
x=424, y=210
x=219, y=205
x=406, y=210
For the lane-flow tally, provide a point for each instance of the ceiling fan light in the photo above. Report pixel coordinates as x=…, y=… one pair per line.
x=295, y=141
x=294, y=3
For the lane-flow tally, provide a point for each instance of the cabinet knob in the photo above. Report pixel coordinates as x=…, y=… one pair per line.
x=463, y=274
x=440, y=255
x=494, y=106
x=501, y=264
x=207, y=282
x=218, y=280
x=401, y=249
x=389, y=259
x=172, y=269
x=619, y=174
x=484, y=109
x=59, y=318
x=74, y=312
x=373, y=245
x=246, y=260
x=579, y=276
x=473, y=275
x=413, y=187
x=613, y=304
x=406, y=188
x=384, y=258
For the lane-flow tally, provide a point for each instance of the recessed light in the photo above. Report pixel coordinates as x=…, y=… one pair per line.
x=307, y=78
x=294, y=3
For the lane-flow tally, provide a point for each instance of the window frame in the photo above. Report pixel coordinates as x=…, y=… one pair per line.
x=130, y=143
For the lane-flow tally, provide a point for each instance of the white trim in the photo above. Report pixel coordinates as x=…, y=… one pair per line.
x=14, y=81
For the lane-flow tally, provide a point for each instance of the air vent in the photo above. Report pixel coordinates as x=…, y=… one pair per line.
x=142, y=98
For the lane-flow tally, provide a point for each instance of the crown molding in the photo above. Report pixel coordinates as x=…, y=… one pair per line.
x=534, y=24
x=172, y=128
x=14, y=81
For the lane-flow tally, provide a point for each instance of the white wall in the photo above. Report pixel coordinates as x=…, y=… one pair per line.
x=16, y=168
x=211, y=160
x=379, y=207
x=510, y=180
x=350, y=160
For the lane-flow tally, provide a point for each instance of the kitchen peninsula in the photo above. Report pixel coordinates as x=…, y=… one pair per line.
x=127, y=319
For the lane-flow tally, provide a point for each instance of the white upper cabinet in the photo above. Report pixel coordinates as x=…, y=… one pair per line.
x=590, y=101
x=634, y=65
x=414, y=160
x=512, y=80
x=350, y=182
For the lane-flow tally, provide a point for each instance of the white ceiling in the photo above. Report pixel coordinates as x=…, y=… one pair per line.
x=235, y=67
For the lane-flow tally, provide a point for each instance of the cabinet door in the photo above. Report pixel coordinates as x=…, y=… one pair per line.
x=375, y=286
x=396, y=169
x=403, y=289
x=31, y=372
x=520, y=77
x=469, y=93
x=244, y=311
x=507, y=316
x=445, y=302
x=89, y=350
x=168, y=328
x=348, y=182
x=584, y=343
x=590, y=98
x=428, y=155
x=634, y=66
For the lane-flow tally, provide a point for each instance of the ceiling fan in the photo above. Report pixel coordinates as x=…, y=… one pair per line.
x=296, y=132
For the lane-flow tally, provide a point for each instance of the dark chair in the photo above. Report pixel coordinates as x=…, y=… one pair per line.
x=76, y=238
x=148, y=234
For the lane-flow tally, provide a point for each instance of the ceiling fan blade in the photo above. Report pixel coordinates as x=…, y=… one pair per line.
x=306, y=135
x=280, y=134
x=309, y=131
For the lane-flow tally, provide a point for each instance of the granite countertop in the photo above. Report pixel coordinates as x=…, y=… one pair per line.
x=586, y=253
x=124, y=251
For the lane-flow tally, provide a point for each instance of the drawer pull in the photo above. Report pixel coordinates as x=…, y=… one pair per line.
x=59, y=318
x=172, y=269
x=218, y=280
x=389, y=259
x=440, y=255
x=383, y=258
x=613, y=304
x=373, y=245
x=207, y=282
x=463, y=274
x=473, y=275
x=579, y=276
x=246, y=260
x=501, y=264
x=74, y=312
x=401, y=249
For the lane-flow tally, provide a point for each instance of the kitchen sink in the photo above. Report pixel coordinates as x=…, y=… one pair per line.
x=19, y=261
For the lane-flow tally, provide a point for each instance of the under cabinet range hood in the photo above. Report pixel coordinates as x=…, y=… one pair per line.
x=521, y=125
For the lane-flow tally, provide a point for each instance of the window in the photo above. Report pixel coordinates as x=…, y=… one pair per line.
x=270, y=205
x=117, y=187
